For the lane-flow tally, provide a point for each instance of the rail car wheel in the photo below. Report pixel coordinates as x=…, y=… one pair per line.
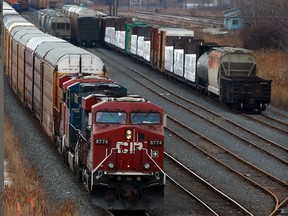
x=261, y=107
x=258, y=110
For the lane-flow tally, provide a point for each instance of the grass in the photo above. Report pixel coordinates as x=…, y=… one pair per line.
x=26, y=194
x=273, y=65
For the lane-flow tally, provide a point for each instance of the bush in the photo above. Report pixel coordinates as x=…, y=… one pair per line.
x=262, y=37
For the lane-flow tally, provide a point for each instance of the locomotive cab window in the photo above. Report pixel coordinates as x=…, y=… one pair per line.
x=111, y=117
x=60, y=25
x=145, y=118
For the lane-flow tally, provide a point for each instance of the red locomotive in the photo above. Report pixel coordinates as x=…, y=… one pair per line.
x=114, y=142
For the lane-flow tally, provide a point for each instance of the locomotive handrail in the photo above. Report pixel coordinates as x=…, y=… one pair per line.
x=154, y=161
x=111, y=152
x=94, y=170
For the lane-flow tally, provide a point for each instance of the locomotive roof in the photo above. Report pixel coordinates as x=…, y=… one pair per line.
x=85, y=12
x=81, y=11
x=52, y=13
x=129, y=103
x=101, y=89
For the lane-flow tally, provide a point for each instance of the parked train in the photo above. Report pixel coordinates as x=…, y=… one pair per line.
x=85, y=24
x=225, y=73
x=54, y=23
x=113, y=141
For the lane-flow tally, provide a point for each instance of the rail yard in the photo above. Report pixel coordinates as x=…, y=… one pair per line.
x=218, y=161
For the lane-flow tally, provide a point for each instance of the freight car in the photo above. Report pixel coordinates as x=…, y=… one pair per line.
x=225, y=73
x=114, y=142
x=54, y=23
x=230, y=74
x=85, y=24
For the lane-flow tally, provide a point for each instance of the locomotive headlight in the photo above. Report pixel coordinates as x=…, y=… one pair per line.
x=147, y=166
x=111, y=165
x=128, y=134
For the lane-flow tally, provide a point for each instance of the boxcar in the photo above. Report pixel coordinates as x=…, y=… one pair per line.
x=85, y=25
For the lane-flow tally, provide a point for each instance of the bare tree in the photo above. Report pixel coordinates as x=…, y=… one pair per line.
x=267, y=22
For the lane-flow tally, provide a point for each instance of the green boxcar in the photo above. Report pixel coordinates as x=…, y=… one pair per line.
x=128, y=34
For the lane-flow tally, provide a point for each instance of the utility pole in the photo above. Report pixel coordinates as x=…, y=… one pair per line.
x=113, y=7
x=1, y=112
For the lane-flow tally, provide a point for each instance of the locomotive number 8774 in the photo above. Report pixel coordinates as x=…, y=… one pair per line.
x=114, y=142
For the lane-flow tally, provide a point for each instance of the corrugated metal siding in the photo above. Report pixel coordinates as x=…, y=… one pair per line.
x=48, y=91
x=154, y=47
x=10, y=59
x=21, y=52
x=14, y=65
x=29, y=78
x=37, y=89
x=6, y=50
x=85, y=32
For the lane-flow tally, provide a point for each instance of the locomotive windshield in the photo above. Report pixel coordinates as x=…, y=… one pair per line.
x=111, y=117
x=145, y=118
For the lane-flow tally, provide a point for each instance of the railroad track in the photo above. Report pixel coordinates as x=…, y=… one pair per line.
x=270, y=122
x=275, y=188
x=214, y=201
